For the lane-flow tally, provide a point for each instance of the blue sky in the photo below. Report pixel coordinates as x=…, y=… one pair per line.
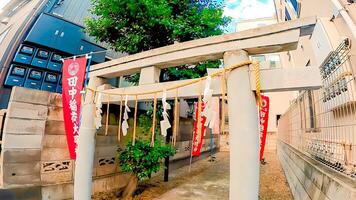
x=247, y=9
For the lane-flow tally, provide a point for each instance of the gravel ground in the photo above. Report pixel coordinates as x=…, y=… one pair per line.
x=209, y=181
x=273, y=183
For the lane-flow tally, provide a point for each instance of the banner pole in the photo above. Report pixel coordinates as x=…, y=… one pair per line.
x=89, y=57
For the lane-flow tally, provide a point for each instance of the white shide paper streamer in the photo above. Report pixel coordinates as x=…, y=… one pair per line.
x=98, y=112
x=125, y=125
x=165, y=122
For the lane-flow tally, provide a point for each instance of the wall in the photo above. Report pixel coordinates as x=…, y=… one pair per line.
x=308, y=179
x=34, y=155
x=279, y=102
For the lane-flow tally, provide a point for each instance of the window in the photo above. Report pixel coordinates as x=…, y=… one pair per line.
x=52, y=78
x=42, y=54
x=27, y=50
x=260, y=58
x=56, y=58
x=274, y=61
x=18, y=71
x=34, y=74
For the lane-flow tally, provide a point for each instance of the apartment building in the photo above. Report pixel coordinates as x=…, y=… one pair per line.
x=322, y=123
x=34, y=37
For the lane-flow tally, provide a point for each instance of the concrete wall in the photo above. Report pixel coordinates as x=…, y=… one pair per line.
x=309, y=179
x=34, y=157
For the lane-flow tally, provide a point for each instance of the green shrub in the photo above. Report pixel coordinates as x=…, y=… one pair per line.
x=142, y=159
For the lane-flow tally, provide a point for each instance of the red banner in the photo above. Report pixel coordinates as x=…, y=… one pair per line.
x=264, y=110
x=198, y=137
x=72, y=85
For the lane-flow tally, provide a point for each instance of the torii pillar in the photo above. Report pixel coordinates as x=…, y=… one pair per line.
x=243, y=130
x=86, y=145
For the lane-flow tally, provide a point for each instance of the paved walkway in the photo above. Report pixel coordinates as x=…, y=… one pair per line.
x=210, y=181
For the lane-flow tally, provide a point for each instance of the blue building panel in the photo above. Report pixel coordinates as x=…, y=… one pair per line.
x=52, y=32
x=287, y=15
x=294, y=5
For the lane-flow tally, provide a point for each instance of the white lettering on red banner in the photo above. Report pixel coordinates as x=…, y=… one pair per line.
x=72, y=84
x=264, y=110
x=198, y=137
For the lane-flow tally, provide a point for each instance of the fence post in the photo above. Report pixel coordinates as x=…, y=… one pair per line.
x=86, y=146
x=243, y=130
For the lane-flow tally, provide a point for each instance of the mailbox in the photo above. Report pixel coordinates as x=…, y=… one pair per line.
x=50, y=82
x=55, y=63
x=59, y=86
x=24, y=54
x=16, y=75
x=41, y=58
x=34, y=79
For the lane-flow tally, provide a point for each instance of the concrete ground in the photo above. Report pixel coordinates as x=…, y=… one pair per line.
x=207, y=180
x=210, y=181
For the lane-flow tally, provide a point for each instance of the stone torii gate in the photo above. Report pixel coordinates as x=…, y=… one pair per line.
x=233, y=48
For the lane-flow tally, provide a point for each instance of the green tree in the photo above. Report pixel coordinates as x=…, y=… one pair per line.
x=142, y=160
x=133, y=26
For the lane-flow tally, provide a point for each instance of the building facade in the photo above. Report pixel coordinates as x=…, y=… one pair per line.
x=35, y=36
x=317, y=134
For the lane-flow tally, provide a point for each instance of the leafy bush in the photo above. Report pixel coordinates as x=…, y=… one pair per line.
x=142, y=159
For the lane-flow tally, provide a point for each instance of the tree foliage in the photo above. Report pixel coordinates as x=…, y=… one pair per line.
x=142, y=159
x=133, y=26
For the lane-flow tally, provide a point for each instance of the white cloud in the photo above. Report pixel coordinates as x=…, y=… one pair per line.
x=3, y=3
x=249, y=9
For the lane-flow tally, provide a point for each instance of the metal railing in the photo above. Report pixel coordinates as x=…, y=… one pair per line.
x=322, y=123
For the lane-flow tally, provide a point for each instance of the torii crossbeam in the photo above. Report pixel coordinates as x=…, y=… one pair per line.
x=232, y=48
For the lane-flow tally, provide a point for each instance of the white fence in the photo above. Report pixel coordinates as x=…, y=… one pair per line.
x=322, y=123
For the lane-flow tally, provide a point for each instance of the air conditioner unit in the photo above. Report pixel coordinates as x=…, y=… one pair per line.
x=331, y=52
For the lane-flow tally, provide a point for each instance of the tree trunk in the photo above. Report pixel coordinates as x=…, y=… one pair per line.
x=130, y=188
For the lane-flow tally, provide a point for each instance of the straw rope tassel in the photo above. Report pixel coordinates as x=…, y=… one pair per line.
x=120, y=116
x=107, y=116
x=258, y=82
x=223, y=92
x=154, y=120
x=176, y=117
x=135, y=122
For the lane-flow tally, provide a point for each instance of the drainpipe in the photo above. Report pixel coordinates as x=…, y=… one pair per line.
x=349, y=22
